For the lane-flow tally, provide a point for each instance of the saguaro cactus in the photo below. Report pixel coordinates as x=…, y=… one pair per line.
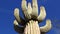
x=29, y=25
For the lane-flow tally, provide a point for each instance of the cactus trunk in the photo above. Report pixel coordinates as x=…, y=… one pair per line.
x=32, y=28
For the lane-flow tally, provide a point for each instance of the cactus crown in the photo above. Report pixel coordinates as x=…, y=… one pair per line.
x=30, y=15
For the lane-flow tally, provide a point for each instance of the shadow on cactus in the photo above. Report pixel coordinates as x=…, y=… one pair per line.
x=31, y=17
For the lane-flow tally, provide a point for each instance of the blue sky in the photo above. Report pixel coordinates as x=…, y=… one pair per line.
x=7, y=9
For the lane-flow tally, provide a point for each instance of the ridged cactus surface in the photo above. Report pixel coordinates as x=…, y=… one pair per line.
x=29, y=25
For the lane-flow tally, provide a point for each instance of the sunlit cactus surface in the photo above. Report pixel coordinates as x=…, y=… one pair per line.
x=29, y=25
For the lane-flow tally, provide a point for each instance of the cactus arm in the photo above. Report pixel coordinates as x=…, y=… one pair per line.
x=18, y=18
x=24, y=5
x=18, y=28
x=42, y=14
x=29, y=10
x=24, y=8
x=34, y=9
x=16, y=14
x=47, y=27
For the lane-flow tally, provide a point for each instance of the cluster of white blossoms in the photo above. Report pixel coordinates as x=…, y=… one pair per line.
x=29, y=25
